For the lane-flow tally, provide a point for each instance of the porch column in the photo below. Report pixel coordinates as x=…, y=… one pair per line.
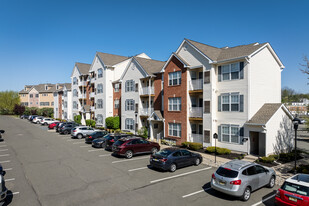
x=150, y=130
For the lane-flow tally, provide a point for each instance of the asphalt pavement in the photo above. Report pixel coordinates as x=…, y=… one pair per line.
x=45, y=168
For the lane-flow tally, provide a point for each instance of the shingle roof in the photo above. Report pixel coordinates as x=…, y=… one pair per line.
x=264, y=114
x=68, y=86
x=226, y=53
x=149, y=65
x=83, y=68
x=111, y=59
x=41, y=88
x=159, y=114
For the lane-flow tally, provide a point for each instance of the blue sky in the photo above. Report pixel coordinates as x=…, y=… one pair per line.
x=41, y=40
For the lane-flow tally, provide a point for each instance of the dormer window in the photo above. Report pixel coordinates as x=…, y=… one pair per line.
x=46, y=87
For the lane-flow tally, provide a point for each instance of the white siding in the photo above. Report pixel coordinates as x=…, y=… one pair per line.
x=75, y=74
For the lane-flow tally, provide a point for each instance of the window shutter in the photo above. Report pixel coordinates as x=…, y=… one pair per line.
x=219, y=73
x=241, y=102
x=136, y=87
x=241, y=135
x=219, y=133
x=126, y=85
x=241, y=70
x=219, y=103
x=125, y=106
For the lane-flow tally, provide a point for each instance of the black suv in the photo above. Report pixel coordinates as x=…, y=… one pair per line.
x=66, y=128
x=95, y=135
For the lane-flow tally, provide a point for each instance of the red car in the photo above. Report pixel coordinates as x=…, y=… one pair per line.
x=130, y=146
x=52, y=125
x=294, y=191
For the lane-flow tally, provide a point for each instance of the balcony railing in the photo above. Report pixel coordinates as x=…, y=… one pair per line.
x=82, y=83
x=92, y=94
x=196, y=84
x=196, y=112
x=197, y=138
x=147, y=90
x=82, y=96
x=146, y=111
x=92, y=108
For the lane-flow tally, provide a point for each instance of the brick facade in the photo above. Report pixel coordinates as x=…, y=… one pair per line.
x=117, y=95
x=158, y=92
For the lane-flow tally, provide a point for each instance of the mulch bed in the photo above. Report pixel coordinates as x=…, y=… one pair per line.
x=230, y=156
x=268, y=164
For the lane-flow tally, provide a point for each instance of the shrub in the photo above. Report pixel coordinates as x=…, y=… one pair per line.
x=185, y=144
x=220, y=151
x=143, y=132
x=303, y=169
x=19, y=109
x=77, y=119
x=101, y=128
x=195, y=146
x=90, y=122
x=269, y=159
x=112, y=122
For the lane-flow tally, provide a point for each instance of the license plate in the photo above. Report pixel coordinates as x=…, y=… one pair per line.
x=221, y=183
x=156, y=160
x=293, y=199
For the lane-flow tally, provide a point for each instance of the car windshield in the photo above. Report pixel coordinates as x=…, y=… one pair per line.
x=294, y=188
x=164, y=152
x=110, y=138
x=225, y=172
x=119, y=142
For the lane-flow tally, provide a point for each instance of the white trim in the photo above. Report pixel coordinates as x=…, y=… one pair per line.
x=186, y=40
x=167, y=62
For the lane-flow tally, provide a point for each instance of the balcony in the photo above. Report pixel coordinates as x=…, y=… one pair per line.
x=146, y=111
x=82, y=96
x=92, y=108
x=147, y=91
x=196, y=112
x=196, y=84
x=82, y=83
x=197, y=138
x=92, y=94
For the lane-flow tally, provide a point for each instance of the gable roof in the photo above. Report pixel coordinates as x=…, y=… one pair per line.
x=149, y=65
x=111, y=59
x=263, y=115
x=83, y=68
x=177, y=57
x=68, y=86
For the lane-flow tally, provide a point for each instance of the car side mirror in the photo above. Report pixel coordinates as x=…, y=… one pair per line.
x=2, y=131
x=266, y=170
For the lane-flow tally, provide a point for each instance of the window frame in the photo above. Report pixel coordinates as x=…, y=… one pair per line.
x=100, y=73
x=100, y=104
x=99, y=88
x=229, y=70
x=230, y=134
x=129, y=105
x=174, y=78
x=174, y=104
x=174, y=129
x=129, y=123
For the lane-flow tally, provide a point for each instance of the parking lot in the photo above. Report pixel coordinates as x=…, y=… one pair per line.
x=46, y=168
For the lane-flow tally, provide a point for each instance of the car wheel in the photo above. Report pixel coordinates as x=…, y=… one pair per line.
x=45, y=123
x=154, y=150
x=246, y=195
x=197, y=162
x=272, y=181
x=129, y=154
x=66, y=132
x=173, y=167
x=79, y=136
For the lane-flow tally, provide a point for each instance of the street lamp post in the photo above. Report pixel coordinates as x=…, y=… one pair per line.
x=215, y=136
x=295, y=122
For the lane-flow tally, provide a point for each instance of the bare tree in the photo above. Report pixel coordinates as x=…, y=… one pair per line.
x=305, y=65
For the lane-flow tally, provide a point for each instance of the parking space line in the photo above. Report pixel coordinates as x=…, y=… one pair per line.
x=84, y=146
x=12, y=179
x=5, y=161
x=94, y=150
x=2, y=142
x=130, y=159
x=8, y=169
x=2, y=150
x=183, y=174
x=3, y=146
x=78, y=142
x=4, y=155
x=105, y=155
x=197, y=192
x=14, y=193
x=141, y=168
x=264, y=200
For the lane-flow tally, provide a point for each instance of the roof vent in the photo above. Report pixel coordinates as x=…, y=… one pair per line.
x=256, y=44
x=225, y=47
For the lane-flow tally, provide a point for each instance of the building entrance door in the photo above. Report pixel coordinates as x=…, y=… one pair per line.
x=254, y=143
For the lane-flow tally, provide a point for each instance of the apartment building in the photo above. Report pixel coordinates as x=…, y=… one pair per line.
x=141, y=96
x=224, y=91
x=63, y=101
x=40, y=96
x=80, y=89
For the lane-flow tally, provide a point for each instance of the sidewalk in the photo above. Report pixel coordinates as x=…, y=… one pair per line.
x=281, y=169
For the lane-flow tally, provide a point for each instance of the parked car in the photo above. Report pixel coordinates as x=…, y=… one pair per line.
x=100, y=142
x=1, y=133
x=53, y=125
x=81, y=131
x=130, y=146
x=294, y=191
x=37, y=119
x=112, y=139
x=239, y=178
x=46, y=121
x=31, y=117
x=3, y=189
x=24, y=116
x=173, y=158
x=60, y=125
x=97, y=134
x=66, y=128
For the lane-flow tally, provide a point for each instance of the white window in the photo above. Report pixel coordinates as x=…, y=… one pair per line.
x=230, y=71
x=130, y=86
x=116, y=103
x=100, y=73
x=99, y=119
x=174, y=104
x=116, y=87
x=75, y=93
x=75, y=81
x=231, y=102
x=174, y=78
x=129, y=123
x=129, y=105
x=65, y=104
x=100, y=104
x=230, y=134
x=65, y=93
x=100, y=88
x=174, y=129
x=75, y=105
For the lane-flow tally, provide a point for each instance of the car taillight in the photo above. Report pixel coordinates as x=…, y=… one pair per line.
x=163, y=160
x=278, y=193
x=74, y=130
x=112, y=140
x=213, y=176
x=121, y=147
x=89, y=137
x=236, y=182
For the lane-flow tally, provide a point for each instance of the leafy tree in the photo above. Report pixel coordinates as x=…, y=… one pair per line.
x=46, y=112
x=19, y=109
x=77, y=119
x=8, y=100
x=112, y=122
